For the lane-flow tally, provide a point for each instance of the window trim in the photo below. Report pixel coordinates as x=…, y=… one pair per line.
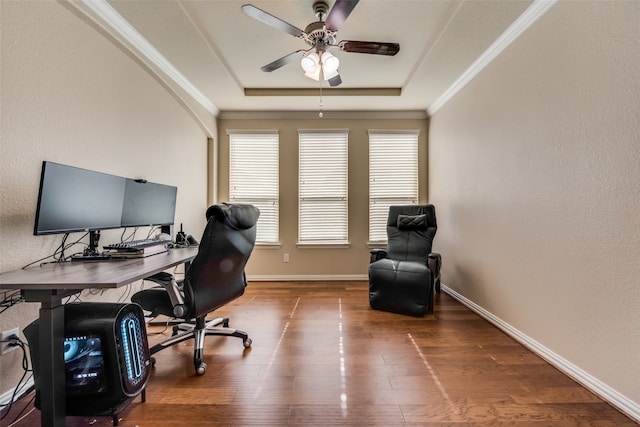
x=344, y=137
x=259, y=132
x=413, y=200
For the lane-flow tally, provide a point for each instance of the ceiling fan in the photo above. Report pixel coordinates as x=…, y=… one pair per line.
x=316, y=61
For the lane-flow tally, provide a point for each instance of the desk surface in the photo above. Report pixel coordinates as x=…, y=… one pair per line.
x=94, y=274
x=49, y=283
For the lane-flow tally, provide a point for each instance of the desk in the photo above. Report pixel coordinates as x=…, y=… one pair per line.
x=50, y=283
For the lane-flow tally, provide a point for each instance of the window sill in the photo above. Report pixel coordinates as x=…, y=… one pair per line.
x=321, y=245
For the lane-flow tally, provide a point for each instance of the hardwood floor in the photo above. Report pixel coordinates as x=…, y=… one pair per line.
x=321, y=356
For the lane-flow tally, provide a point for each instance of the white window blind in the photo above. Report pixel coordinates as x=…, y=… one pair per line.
x=323, y=187
x=393, y=176
x=253, y=178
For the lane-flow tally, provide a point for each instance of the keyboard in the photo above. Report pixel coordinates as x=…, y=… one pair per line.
x=97, y=257
x=136, y=244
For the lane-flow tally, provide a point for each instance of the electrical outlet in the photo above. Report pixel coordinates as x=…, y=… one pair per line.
x=285, y=258
x=5, y=345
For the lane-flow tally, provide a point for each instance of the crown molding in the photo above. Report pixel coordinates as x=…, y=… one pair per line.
x=104, y=15
x=352, y=115
x=519, y=26
x=365, y=91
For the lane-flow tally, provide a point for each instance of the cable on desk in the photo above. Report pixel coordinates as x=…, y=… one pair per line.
x=58, y=255
x=151, y=231
x=129, y=237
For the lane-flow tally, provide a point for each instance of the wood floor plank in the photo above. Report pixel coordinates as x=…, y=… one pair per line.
x=321, y=356
x=344, y=413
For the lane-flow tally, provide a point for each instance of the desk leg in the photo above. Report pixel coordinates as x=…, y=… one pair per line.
x=52, y=374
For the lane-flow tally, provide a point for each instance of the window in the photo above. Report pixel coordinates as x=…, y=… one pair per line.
x=253, y=178
x=323, y=187
x=393, y=176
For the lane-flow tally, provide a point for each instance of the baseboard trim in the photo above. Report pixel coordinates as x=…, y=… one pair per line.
x=308, y=278
x=602, y=390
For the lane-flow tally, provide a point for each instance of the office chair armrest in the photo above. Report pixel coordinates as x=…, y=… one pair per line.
x=377, y=254
x=170, y=285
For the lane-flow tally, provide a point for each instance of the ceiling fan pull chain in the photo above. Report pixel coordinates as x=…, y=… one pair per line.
x=320, y=113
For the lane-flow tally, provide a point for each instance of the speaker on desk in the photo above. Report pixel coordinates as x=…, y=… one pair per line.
x=106, y=355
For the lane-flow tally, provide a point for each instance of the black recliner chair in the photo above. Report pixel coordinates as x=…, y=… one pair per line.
x=403, y=278
x=215, y=277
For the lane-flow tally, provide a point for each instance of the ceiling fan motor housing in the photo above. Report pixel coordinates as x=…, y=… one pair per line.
x=317, y=33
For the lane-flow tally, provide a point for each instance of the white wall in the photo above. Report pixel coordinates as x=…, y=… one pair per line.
x=70, y=95
x=535, y=172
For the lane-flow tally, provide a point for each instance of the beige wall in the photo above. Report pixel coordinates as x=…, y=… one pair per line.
x=535, y=171
x=308, y=262
x=71, y=96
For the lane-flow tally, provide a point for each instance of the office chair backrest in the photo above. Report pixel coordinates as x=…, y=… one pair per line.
x=216, y=275
x=410, y=232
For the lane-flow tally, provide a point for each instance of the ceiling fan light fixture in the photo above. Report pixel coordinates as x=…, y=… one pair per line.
x=323, y=65
x=328, y=75
x=330, y=63
x=315, y=75
x=310, y=63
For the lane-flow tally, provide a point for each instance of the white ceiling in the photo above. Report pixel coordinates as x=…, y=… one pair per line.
x=218, y=51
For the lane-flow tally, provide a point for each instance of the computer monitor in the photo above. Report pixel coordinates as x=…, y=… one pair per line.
x=72, y=199
x=148, y=204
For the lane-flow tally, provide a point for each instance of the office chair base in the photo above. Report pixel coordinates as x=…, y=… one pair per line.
x=197, y=331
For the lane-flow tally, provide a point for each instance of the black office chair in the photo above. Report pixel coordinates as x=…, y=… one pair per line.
x=402, y=279
x=215, y=277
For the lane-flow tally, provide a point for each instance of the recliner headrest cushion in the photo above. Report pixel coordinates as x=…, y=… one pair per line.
x=239, y=216
x=412, y=222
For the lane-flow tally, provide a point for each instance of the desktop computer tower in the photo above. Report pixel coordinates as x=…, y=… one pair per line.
x=106, y=355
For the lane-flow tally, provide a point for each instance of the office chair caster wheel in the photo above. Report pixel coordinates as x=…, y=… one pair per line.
x=152, y=360
x=174, y=331
x=201, y=368
x=225, y=323
x=247, y=343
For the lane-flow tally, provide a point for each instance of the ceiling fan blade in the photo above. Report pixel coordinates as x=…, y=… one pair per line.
x=283, y=61
x=339, y=13
x=335, y=81
x=266, y=18
x=376, y=48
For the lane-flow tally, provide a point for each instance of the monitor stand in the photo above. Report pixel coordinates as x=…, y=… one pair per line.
x=91, y=252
